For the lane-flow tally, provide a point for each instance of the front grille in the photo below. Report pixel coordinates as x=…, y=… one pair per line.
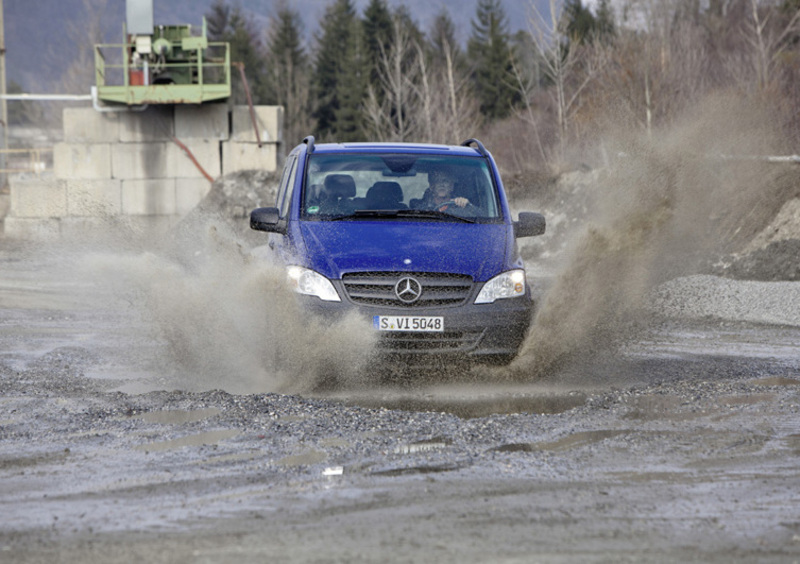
x=377, y=288
x=448, y=341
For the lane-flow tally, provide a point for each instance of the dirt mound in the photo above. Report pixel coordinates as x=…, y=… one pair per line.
x=764, y=244
x=776, y=261
x=773, y=254
x=231, y=199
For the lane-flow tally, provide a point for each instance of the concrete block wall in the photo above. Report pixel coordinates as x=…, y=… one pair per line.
x=128, y=164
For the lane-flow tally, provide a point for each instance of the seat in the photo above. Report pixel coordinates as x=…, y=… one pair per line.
x=335, y=192
x=385, y=195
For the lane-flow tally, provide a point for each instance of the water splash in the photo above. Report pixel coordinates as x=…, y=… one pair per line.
x=665, y=208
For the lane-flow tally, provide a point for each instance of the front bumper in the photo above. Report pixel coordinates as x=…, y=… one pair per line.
x=490, y=332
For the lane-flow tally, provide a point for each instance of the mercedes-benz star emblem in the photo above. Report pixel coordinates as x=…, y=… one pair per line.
x=408, y=290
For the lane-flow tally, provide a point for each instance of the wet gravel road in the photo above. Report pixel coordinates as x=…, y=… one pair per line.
x=683, y=445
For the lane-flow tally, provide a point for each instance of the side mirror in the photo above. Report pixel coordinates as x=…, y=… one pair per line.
x=266, y=219
x=530, y=224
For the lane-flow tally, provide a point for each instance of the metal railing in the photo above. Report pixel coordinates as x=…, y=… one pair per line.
x=205, y=75
x=35, y=160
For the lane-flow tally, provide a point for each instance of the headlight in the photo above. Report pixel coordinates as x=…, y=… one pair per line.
x=509, y=284
x=310, y=283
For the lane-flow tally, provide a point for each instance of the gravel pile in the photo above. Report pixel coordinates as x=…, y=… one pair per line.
x=774, y=254
x=231, y=199
x=706, y=296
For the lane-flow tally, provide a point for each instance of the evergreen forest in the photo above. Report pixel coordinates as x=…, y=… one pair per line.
x=542, y=97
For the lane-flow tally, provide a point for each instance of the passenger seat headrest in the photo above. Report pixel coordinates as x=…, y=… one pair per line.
x=385, y=192
x=340, y=185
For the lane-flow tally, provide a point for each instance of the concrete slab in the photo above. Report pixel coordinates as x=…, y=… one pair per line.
x=205, y=151
x=87, y=125
x=209, y=121
x=80, y=160
x=149, y=197
x=248, y=156
x=140, y=160
x=156, y=123
x=94, y=197
x=268, y=118
x=38, y=198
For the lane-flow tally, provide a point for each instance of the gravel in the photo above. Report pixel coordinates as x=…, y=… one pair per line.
x=679, y=445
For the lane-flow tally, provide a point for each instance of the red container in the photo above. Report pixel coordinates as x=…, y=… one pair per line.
x=136, y=77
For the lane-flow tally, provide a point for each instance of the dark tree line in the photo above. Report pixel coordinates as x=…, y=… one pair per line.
x=379, y=76
x=362, y=75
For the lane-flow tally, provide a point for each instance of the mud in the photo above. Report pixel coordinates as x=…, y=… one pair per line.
x=680, y=446
x=163, y=400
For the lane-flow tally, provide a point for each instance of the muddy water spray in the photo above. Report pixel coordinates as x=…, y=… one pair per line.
x=664, y=208
x=228, y=320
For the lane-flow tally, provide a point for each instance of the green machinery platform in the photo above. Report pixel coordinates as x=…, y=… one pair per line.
x=171, y=66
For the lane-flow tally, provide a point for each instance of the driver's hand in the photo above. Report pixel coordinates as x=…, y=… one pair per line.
x=461, y=202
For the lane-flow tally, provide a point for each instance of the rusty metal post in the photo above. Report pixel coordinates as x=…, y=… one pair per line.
x=240, y=66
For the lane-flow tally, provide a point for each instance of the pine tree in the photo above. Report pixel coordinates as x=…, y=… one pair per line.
x=579, y=22
x=217, y=20
x=232, y=25
x=444, y=44
x=455, y=115
x=489, y=48
x=377, y=37
x=339, y=73
x=287, y=77
x=606, y=28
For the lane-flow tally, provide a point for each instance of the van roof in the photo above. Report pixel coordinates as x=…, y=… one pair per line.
x=395, y=147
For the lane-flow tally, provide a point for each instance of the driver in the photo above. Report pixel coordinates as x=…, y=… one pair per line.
x=439, y=196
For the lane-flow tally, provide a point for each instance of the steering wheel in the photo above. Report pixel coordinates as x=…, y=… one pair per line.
x=444, y=205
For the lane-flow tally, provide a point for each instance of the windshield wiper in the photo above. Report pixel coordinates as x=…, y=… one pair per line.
x=433, y=214
x=360, y=214
x=422, y=214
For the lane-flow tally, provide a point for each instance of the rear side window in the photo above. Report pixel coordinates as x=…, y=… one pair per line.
x=337, y=185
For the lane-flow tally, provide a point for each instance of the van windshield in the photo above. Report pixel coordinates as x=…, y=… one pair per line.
x=386, y=185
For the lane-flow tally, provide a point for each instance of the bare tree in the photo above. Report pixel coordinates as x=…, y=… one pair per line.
x=450, y=109
x=569, y=66
x=768, y=40
x=528, y=85
x=395, y=117
x=288, y=77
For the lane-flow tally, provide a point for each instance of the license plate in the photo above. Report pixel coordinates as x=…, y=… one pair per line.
x=415, y=323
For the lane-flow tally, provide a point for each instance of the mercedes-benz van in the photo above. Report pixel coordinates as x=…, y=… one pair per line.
x=417, y=238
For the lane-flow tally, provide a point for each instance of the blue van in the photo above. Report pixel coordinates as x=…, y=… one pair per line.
x=416, y=237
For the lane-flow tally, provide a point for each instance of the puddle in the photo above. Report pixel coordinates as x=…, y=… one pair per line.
x=33, y=460
x=200, y=439
x=750, y=399
x=177, y=416
x=572, y=441
x=240, y=457
x=417, y=470
x=423, y=446
x=334, y=442
x=793, y=442
x=776, y=381
x=640, y=477
x=305, y=459
x=468, y=408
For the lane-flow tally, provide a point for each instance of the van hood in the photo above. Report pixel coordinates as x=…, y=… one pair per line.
x=336, y=248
